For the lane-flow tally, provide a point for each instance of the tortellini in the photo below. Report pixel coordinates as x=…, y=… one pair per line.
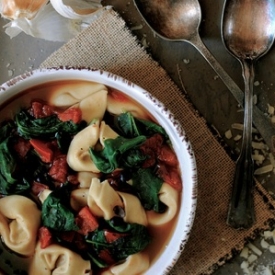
x=170, y=197
x=85, y=178
x=106, y=132
x=90, y=97
x=78, y=156
x=19, y=223
x=93, y=106
x=58, y=260
x=79, y=198
x=117, y=106
x=103, y=199
x=134, y=211
x=134, y=264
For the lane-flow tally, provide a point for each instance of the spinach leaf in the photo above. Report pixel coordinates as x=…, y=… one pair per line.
x=135, y=239
x=6, y=130
x=147, y=185
x=115, y=150
x=97, y=261
x=46, y=127
x=133, y=158
x=7, y=161
x=9, y=183
x=126, y=125
x=129, y=126
x=17, y=187
x=150, y=128
x=56, y=211
x=4, y=185
x=118, y=224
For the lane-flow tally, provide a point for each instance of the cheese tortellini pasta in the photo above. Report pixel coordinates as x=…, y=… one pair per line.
x=85, y=178
x=103, y=199
x=117, y=106
x=134, y=264
x=134, y=212
x=170, y=197
x=19, y=223
x=78, y=156
x=79, y=198
x=58, y=260
x=90, y=97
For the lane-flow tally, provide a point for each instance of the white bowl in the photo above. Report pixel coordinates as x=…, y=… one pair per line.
x=177, y=135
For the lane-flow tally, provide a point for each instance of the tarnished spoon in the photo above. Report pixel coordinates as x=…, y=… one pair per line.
x=179, y=20
x=248, y=29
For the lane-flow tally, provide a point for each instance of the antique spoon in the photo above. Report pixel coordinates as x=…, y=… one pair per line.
x=248, y=29
x=179, y=20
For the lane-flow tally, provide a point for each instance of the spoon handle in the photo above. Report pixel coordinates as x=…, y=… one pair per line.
x=262, y=123
x=241, y=209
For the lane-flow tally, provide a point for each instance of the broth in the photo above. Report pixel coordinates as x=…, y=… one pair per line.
x=46, y=92
x=12, y=263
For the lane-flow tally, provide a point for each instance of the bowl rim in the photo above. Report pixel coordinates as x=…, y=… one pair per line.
x=181, y=232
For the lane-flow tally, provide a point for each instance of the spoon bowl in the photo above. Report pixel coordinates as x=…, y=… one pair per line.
x=248, y=28
x=248, y=33
x=174, y=20
x=177, y=20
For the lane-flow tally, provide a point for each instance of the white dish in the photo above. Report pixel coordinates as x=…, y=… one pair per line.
x=164, y=117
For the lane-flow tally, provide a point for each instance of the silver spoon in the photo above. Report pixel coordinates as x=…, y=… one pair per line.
x=248, y=29
x=179, y=20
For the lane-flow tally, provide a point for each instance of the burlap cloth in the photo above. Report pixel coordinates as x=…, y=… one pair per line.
x=109, y=45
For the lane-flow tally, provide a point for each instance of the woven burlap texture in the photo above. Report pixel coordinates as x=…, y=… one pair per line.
x=109, y=45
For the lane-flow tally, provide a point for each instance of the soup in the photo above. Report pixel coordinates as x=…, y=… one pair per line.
x=91, y=178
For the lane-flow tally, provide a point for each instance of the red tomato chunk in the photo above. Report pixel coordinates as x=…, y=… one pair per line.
x=112, y=236
x=167, y=155
x=106, y=256
x=43, y=150
x=73, y=114
x=45, y=237
x=170, y=175
x=40, y=110
x=59, y=169
x=164, y=157
x=86, y=221
x=22, y=147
